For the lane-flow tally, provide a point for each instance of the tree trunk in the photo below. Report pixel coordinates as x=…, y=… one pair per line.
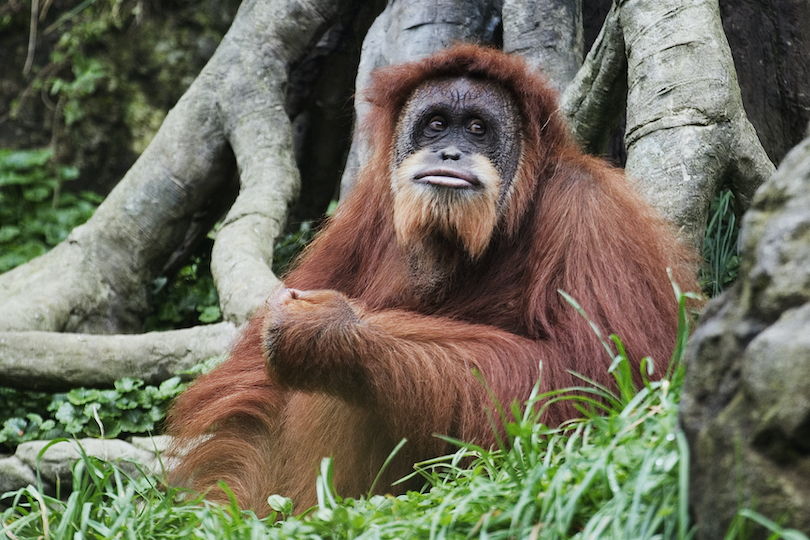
x=687, y=133
x=770, y=42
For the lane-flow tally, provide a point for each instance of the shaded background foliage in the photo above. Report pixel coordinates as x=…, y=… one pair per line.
x=102, y=77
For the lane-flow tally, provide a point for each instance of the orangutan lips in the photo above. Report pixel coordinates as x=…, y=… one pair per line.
x=447, y=178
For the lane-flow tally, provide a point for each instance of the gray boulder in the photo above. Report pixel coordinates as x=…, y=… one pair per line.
x=14, y=474
x=56, y=463
x=746, y=401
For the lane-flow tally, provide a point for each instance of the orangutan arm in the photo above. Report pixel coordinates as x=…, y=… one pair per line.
x=417, y=370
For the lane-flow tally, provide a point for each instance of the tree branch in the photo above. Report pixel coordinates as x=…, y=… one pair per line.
x=98, y=280
x=58, y=362
x=548, y=34
x=257, y=54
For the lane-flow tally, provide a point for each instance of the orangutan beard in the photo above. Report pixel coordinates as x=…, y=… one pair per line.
x=440, y=230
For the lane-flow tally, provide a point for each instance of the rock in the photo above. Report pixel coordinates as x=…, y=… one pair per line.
x=745, y=407
x=14, y=474
x=157, y=446
x=155, y=443
x=56, y=463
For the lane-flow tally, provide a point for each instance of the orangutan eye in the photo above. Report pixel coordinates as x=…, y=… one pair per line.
x=476, y=126
x=437, y=123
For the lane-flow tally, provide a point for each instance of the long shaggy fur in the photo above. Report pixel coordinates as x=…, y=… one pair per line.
x=367, y=360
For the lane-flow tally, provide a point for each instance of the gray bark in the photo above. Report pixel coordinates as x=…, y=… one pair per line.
x=276, y=35
x=548, y=34
x=770, y=41
x=58, y=362
x=687, y=133
x=594, y=101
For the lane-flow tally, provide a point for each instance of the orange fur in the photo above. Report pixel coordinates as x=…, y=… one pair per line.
x=360, y=358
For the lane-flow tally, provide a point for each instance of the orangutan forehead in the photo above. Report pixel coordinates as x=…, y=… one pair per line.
x=463, y=92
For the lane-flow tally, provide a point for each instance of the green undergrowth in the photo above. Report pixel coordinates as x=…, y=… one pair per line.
x=129, y=408
x=187, y=298
x=35, y=214
x=621, y=471
x=721, y=254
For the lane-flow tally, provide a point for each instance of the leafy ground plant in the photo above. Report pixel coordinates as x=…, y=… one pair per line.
x=35, y=214
x=619, y=472
x=131, y=407
x=187, y=298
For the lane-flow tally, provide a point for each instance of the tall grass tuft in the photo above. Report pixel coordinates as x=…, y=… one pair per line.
x=720, y=249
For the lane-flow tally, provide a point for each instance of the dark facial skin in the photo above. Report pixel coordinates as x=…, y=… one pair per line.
x=454, y=119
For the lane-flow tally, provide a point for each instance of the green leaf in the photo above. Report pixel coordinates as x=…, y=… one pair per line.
x=80, y=396
x=210, y=314
x=8, y=233
x=13, y=430
x=68, y=173
x=128, y=384
x=125, y=403
x=36, y=194
x=280, y=504
x=170, y=388
x=71, y=417
x=73, y=112
x=24, y=159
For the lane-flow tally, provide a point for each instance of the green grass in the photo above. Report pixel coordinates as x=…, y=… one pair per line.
x=620, y=472
x=720, y=249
